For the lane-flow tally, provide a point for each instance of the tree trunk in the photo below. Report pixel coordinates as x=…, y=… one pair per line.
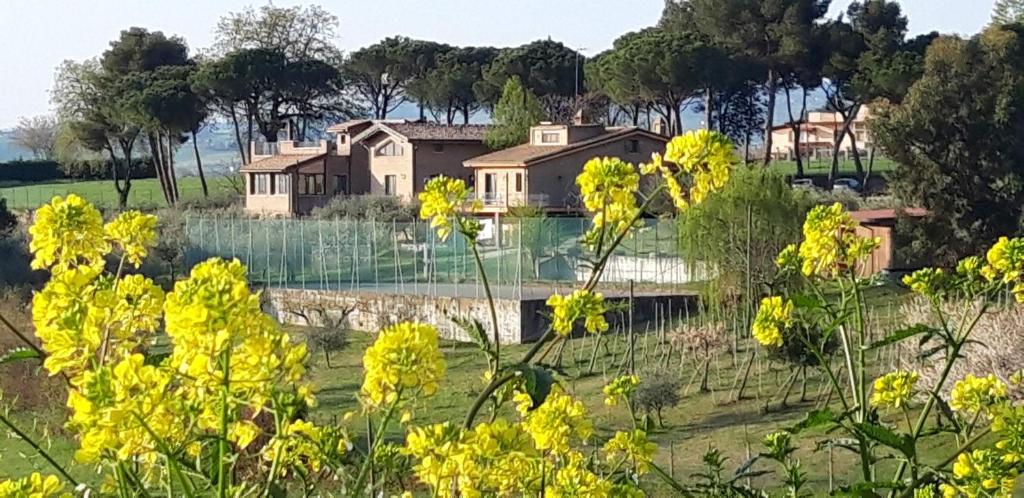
x=794, y=125
x=238, y=138
x=853, y=148
x=155, y=152
x=172, y=177
x=122, y=198
x=199, y=165
x=837, y=143
x=709, y=108
x=871, y=167
x=770, y=87
x=706, y=369
x=465, y=115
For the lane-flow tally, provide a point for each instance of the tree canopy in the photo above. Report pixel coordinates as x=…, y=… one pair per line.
x=514, y=114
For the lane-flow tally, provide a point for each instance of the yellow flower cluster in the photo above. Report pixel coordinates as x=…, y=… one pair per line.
x=608, y=186
x=84, y=318
x=441, y=199
x=778, y=443
x=67, y=233
x=134, y=233
x=1006, y=264
x=575, y=480
x=773, y=317
x=633, y=447
x=894, y=389
x=620, y=387
x=223, y=340
x=558, y=422
x=566, y=310
x=492, y=459
x=705, y=157
x=972, y=394
x=302, y=444
x=35, y=485
x=981, y=473
x=125, y=412
x=789, y=259
x=929, y=282
x=403, y=357
x=830, y=243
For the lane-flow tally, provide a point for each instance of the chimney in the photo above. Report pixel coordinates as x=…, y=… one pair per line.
x=660, y=126
x=578, y=119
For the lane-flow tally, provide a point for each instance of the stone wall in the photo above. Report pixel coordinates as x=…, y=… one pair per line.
x=518, y=321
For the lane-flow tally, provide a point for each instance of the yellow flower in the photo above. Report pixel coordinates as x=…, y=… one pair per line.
x=608, y=187
x=441, y=200
x=929, y=282
x=975, y=394
x=831, y=244
x=1006, y=265
x=67, y=233
x=620, y=386
x=303, y=445
x=575, y=480
x=633, y=447
x=778, y=443
x=772, y=318
x=566, y=310
x=35, y=485
x=557, y=421
x=403, y=357
x=707, y=157
x=134, y=233
x=789, y=258
x=894, y=389
x=981, y=473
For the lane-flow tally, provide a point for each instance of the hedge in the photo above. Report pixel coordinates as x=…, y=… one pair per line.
x=42, y=170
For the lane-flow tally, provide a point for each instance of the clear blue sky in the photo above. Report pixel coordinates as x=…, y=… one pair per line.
x=36, y=35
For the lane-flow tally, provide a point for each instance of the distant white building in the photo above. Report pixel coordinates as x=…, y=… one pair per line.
x=818, y=134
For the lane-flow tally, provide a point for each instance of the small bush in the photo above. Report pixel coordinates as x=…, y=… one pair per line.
x=369, y=207
x=8, y=221
x=656, y=392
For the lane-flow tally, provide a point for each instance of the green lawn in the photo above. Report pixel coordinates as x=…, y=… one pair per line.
x=822, y=166
x=145, y=193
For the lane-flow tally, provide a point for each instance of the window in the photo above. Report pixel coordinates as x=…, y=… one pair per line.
x=519, y=182
x=389, y=149
x=311, y=184
x=633, y=147
x=438, y=148
x=390, y=184
x=261, y=184
x=549, y=137
x=342, y=138
x=340, y=184
x=283, y=183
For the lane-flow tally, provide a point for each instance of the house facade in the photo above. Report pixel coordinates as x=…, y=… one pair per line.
x=377, y=157
x=542, y=172
x=818, y=134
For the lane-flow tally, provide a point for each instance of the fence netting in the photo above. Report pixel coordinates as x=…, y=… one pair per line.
x=409, y=257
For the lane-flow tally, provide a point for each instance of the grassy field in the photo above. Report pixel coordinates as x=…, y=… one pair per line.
x=145, y=193
x=703, y=419
x=814, y=167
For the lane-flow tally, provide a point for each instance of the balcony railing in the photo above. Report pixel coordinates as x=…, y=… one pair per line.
x=538, y=200
x=265, y=148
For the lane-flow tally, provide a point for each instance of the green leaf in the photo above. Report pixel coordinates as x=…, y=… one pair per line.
x=19, y=354
x=866, y=489
x=902, y=334
x=475, y=330
x=537, y=382
x=887, y=437
x=814, y=418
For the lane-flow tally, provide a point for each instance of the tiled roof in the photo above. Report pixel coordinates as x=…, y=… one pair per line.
x=281, y=162
x=434, y=131
x=346, y=125
x=527, y=154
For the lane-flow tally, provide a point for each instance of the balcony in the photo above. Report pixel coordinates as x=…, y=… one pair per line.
x=263, y=150
x=498, y=203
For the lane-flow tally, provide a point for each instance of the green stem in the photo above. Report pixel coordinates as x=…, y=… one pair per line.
x=38, y=449
x=364, y=470
x=22, y=337
x=490, y=301
x=909, y=490
x=222, y=443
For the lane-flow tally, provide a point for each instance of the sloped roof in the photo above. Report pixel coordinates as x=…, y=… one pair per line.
x=281, y=162
x=528, y=154
x=435, y=131
x=876, y=215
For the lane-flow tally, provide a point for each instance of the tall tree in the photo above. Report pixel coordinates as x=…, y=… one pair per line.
x=380, y=73
x=958, y=141
x=1008, y=12
x=37, y=135
x=516, y=111
x=776, y=33
x=548, y=69
x=298, y=32
x=96, y=114
x=446, y=89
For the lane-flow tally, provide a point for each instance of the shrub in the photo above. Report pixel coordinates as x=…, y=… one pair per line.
x=657, y=391
x=367, y=207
